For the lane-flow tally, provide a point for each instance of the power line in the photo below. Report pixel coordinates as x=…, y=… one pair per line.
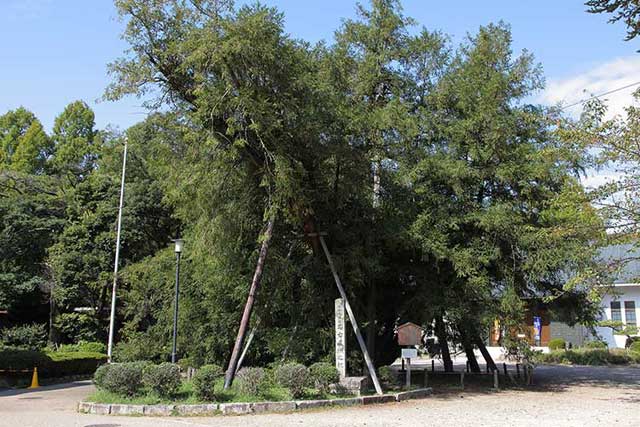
x=602, y=94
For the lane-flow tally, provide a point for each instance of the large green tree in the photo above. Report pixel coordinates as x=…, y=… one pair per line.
x=444, y=195
x=24, y=145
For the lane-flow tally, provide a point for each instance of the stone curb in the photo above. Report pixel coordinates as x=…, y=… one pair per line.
x=245, y=408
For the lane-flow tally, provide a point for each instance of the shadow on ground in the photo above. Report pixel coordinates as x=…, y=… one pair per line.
x=546, y=378
x=26, y=391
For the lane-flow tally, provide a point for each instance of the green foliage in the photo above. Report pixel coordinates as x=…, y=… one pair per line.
x=627, y=11
x=124, y=378
x=28, y=337
x=387, y=377
x=163, y=379
x=204, y=381
x=635, y=347
x=24, y=146
x=250, y=380
x=52, y=364
x=593, y=357
x=77, y=326
x=100, y=375
x=557, y=344
x=75, y=140
x=293, y=376
x=597, y=344
x=322, y=375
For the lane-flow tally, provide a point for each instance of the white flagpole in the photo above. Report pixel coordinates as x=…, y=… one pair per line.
x=116, y=263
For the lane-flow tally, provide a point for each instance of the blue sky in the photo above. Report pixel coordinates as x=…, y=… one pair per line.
x=56, y=51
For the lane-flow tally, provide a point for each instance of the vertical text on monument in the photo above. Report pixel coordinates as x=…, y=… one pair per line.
x=341, y=339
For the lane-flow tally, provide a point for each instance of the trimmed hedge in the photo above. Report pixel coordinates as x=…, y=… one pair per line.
x=122, y=378
x=52, y=364
x=595, y=344
x=557, y=344
x=294, y=377
x=589, y=357
x=163, y=379
x=204, y=381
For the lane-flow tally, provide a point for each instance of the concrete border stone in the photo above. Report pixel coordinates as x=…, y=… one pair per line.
x=375, y=399
x=159, y=410
x=117, y=409
x=206, y=409
x=259, y=407
x=311, y=404
x=245, y=407
x=413, y=394
x=235, y=408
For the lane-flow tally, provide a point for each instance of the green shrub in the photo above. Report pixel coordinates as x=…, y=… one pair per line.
x=557, y=344
x=84, y=346
x=204, y=381
x=51, y=364
x=635, y=347
x=124, y=378
x=250, y=380
x=28, y=337
x=139, y=347
x=386, y=376
x=100, y=375
x=595, y=344
x=292, y=376
x=323, y=374
x=593, y=357
x=163, y=379
x=76, y=327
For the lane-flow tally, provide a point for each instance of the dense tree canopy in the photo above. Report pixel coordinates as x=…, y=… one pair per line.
x=447, y=199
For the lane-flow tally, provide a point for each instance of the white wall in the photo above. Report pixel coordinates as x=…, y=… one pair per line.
x=624, y=293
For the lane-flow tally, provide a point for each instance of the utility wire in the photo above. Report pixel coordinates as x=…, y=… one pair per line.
x=598, y=96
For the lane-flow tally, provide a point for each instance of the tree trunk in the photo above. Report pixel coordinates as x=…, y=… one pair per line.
x=248, y=308
x=485, y=353
x=468, y=349
x=441, y=333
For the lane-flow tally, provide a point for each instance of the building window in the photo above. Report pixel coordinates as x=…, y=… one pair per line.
x=630, y=312
x=616, y=314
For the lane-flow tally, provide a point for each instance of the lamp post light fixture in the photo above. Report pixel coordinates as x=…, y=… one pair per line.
x=178, y=250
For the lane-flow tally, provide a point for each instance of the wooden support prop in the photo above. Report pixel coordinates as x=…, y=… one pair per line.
x=462, y=380
x=408, y=379
x=496, y=385
x=504, y=368
x=246, y=347
x=352, y=318
x=248, y=308
x=518, y=370
x=433, y=365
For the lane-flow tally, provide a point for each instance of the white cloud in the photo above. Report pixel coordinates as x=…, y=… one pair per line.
x=599, y=79
x=595, y=179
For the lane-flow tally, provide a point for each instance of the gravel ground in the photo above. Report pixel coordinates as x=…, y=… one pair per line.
x=561, y=396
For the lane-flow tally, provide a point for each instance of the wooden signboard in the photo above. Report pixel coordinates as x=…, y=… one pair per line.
x=410, y=334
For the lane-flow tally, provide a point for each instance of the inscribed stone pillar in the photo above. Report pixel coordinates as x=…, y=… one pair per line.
x=341, y=339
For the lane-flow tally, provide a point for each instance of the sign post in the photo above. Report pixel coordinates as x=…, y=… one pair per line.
x=341, y=339
x=408, y=354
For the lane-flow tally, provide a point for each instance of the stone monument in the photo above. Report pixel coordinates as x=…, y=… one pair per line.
x=341, y=339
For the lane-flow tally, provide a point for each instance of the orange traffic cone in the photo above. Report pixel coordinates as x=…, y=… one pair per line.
x=34, y=379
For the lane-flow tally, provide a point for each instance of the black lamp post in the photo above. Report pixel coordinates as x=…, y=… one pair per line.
x=178, y=250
